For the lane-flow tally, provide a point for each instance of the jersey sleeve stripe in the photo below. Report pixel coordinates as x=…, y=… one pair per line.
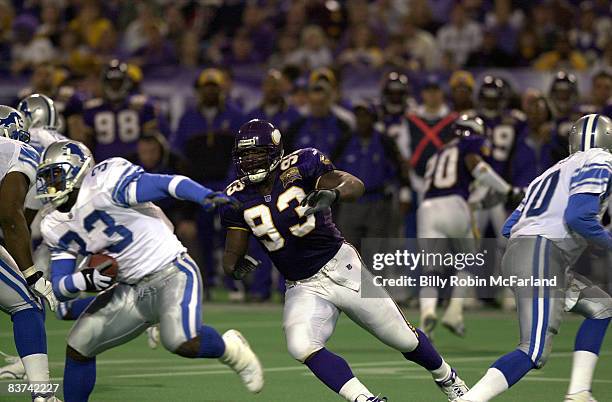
x=29, y=162
x=120, y=196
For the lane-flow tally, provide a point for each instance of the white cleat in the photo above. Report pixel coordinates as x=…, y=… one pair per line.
x=240, y=357
x=583, y=396
x=14, y=370
x=45, y=399
x=153, y=336
x=454, y=387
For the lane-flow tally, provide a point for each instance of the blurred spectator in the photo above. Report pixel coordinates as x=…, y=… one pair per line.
x=605, y=61
x=287, y=44
x=589, y=37
x=542, y=21
x=375, y=159
x=313, y=52
x=7, y=14
x=533, y=152
x=460, y=37
x=462, y=85
x=359, y=17
x=489, y=54
x=505, y=23
x=420, y=44
x=154, y=155
x=51, y=21
x=27, y=49
x=135, y=35
x=563, y=57
x=91, y=25
x=320, y=127
x=528, y=48
x=295, y=19
x=157, y=52
x=74, y=54
x=241, y=52
x=428, y=129
x=601, y=93
x=190, y=51
x=274, y=107
x=260, y=32
x=390, y=13
x=362, y=50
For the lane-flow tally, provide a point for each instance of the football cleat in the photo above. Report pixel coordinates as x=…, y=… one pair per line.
x=14, y=370
x=365, y=398
x=240, y=357
x=454, y=387
x=428, y=324
x=153, y=336
x=44, y=398
x=583, y=396
x=454, y=323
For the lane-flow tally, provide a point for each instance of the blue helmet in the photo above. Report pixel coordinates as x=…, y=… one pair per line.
x=11, y=124
x=258, y=150
x=467, y=125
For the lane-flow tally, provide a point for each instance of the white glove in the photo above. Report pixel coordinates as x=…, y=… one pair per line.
x=91, y=280
x=40, y=286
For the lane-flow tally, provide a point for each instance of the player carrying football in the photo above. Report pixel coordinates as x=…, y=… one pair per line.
x=558, y=218
x=286, y=205
x=21, y=282
x=108, y=209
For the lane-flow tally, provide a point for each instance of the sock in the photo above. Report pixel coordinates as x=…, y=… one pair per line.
x=31, y=343
x=588, y=343
x=492, y=384
x=72, y=309
x=428, y=299
x=211, y=343
x=425, y=355
x=514, y=366
x=353, y=389
x=79, y=379
x=331, y=369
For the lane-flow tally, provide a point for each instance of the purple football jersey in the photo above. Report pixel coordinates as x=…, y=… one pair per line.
x=503, y=132
x=447, y=173
x=299, y=246
x=117, y=128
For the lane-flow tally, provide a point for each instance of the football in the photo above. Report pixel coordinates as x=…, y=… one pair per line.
x=107, y=265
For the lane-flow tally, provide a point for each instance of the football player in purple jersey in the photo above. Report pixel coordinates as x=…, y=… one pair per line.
x=115, y=121
x=286, y=203
x=445, y=214
x=563, y=100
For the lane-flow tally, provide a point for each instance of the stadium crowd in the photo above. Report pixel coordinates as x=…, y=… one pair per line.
x=424, y=54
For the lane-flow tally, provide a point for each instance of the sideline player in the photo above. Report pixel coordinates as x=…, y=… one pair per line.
x=107, y=209
x=445, y=214
x=323, y=272
x=551, y=228
x=21, y=282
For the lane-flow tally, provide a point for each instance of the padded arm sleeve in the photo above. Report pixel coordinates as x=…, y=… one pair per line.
x=154, y=187
x=62, y=279
x=582, y=216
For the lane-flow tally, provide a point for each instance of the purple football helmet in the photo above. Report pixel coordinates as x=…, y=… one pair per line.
x=492, y=95
x=467, y=125
x=258, y=150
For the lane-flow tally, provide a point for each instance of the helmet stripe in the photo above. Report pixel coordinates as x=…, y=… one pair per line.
x=587, y=133
x=594, y=130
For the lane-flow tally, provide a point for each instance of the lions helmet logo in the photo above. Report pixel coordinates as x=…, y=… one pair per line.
x=12, y=118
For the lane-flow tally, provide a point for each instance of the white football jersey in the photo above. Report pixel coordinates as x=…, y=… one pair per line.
x=140, y=238
x=17, y=156
x=543, y=207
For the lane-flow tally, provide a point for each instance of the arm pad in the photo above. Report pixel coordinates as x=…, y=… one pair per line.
x=484, y=174
x=62, y=279
x=582, y=216
x=155, y=187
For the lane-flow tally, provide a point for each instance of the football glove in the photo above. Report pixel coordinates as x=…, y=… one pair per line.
x=245, y=266
x=40, y=286
x=217, y=199
x=319, y=200
x=91, y=280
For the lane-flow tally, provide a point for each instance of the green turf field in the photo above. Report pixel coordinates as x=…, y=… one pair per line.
x=134, y=373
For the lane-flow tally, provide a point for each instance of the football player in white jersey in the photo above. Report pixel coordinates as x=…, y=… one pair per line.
x=107, y=208
x=21, y=283
x=558, y=218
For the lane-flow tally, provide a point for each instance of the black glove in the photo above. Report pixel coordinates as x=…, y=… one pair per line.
x=245, y=266
x=218, y=198
x=319, y=200
x=515, y=196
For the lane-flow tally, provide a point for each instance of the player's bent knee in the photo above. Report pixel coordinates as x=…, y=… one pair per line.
x=190, y=348
x=302, y=351
x=76, y=355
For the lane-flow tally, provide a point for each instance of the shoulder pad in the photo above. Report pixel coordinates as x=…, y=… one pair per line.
x=235, y=187
x=65, y=92
x=138, y=101
x=93, y=103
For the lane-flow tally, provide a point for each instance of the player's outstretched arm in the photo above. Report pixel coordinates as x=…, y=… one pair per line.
x=482, y=172
x=155, y=187
x=236, y=262
x=13, y=190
